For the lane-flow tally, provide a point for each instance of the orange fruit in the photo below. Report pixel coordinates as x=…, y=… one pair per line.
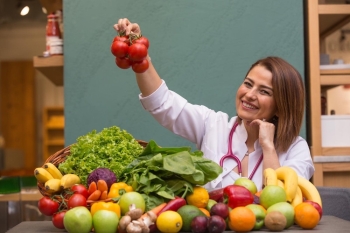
x=199, y=197
x=241, y=219
x=169, y=221
x=306, y=216
x=205, y=211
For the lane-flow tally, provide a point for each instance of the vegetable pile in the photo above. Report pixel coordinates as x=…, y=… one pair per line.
x=160, y=174
x=111, y=148
x=131, y=51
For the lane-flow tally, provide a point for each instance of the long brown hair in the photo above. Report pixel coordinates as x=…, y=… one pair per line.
x=289, y=95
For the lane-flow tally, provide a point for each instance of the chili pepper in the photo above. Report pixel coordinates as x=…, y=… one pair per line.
x=118, y=189
x=174, y=204
x=236, y=195
x=101, y=205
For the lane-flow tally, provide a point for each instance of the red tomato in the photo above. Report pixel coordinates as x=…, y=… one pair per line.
x=142, y=40
x=57, y=219
x=123, y=63
x=122, y=38
x=76, y=200
x=81, y=189
x=47, y=206
x=140, y=67
x=137, y=52
x=119, y=48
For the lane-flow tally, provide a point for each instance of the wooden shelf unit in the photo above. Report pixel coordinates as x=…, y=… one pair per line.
x=51, y=67
x=324, y=19
x=53, y=130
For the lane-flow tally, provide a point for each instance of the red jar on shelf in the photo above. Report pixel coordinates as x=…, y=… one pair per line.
x=53, y=35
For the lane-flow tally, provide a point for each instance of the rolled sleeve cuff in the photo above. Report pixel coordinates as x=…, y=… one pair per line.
x=154, y=100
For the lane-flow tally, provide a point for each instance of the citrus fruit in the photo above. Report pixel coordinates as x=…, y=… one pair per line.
x=199, y=197
x=241, y=219
x=187, y=213
x=205, y=211
x=306, y=216
x=169, y=221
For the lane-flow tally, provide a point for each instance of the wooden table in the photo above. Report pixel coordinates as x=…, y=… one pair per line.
x=328, y=224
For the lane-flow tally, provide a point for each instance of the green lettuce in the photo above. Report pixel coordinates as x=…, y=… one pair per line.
x=111, y=148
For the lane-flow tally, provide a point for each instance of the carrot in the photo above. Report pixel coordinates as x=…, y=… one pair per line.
x=155, y=210
x=92, y=187
x=104, y=195
x=95, y=195
x=102, y=185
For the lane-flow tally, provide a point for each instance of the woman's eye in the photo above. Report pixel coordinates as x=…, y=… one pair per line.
x=265, y=92
x=248, y=84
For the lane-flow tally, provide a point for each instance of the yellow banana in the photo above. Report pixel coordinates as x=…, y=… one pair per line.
x=298, y=198
x=280, y=183
x=290, y=178
x=53, y=185
x=309, y=190
x=69, y=180
x=270, y=177
x=42, y=175
x=53, y=170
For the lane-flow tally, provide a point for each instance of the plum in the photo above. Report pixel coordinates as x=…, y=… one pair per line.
x=199, y=224
x=220, y=209
x=216, y=224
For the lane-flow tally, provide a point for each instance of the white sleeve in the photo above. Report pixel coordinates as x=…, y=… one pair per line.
x=299, y=158
x=174, y=113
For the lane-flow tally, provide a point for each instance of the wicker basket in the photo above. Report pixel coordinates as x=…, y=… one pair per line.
x=59, y=157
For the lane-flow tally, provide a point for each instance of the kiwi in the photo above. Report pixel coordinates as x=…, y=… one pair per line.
x=275, y=221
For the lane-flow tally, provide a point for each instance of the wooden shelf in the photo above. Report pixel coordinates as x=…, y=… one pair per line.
x=332, y=18
x=51, y=67
x=53, y=130
x=332, y=164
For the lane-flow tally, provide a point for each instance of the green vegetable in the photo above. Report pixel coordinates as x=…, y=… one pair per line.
x=160, y=174
x=111, y=148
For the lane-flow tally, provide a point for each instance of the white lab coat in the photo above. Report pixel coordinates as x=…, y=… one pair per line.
x=209, y=130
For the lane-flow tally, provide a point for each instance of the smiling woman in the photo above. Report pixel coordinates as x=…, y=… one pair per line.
x=268, y=91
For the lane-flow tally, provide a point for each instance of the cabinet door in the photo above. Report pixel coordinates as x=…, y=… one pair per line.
x=17, y=108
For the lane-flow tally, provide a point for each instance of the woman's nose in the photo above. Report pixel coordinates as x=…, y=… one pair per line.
x=251, y=93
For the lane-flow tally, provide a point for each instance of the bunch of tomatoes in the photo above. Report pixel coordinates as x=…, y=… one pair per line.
x=131, y=51
x=56, y=206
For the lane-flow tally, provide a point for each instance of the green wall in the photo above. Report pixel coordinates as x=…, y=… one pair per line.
x=202, y=48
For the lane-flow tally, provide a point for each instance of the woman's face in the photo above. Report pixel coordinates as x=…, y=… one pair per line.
x=254, y=99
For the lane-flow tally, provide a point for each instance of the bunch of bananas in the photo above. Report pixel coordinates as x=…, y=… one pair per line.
x=53, y=179
x=296, y=187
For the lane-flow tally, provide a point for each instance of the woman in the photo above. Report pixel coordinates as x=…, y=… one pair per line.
x=264, y=134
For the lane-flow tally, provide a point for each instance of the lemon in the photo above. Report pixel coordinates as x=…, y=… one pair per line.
x=169, y=222
x=199, y=197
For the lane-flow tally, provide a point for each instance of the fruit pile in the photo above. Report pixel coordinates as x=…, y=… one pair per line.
x=285, y=199
x=131, y=51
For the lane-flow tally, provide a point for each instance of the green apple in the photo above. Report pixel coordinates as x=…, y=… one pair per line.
x=210, y=204
x=286, y=209
x=78, y=220
x=246, y=182
x=272, y=194
x=259, y=213
x=131, y=198
x=105, y=221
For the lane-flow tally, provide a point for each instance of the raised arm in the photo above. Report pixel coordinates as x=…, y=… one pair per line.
x=148, y=81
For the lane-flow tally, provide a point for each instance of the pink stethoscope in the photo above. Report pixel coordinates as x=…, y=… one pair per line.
x=230, y=155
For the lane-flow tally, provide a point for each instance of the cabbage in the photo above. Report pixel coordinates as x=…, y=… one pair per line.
x=102, y=173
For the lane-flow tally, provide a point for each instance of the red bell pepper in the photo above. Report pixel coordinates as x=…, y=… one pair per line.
x=236, y=195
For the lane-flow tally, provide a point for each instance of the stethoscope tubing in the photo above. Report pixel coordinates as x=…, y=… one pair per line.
x=230, y=155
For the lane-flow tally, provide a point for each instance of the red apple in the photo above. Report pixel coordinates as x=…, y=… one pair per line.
x=317, y=206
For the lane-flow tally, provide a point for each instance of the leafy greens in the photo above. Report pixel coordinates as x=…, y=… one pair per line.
x=111, y=148
x=160, y=174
